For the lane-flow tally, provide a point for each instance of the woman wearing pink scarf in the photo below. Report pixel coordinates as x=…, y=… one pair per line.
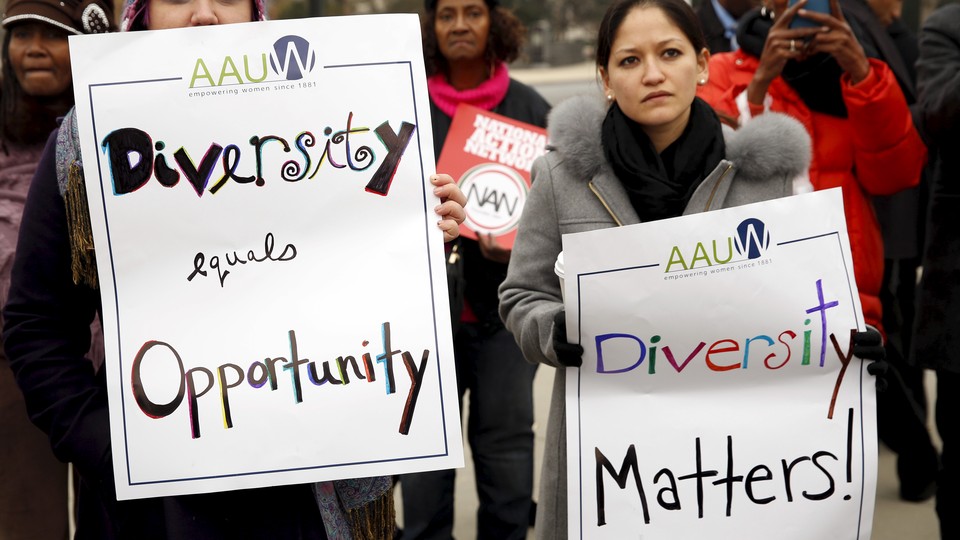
x=467, y=44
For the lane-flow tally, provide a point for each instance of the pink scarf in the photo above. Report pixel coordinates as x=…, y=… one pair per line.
x=486, y=96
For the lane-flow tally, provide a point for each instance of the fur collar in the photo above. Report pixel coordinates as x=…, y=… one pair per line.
x=770, y=145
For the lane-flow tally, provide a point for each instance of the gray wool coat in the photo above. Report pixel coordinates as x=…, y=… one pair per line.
x=574, y=190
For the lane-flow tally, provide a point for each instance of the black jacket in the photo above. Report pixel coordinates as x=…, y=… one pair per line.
x=482, y=275
x=937, y=342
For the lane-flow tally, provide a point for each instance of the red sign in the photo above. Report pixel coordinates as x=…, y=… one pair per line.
x=490, y=155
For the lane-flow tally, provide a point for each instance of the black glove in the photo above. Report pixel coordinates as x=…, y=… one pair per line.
x=868, y=345
x=569, y=354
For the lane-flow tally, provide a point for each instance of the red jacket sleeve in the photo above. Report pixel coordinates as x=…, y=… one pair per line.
x=888, y=151
x=723, y=86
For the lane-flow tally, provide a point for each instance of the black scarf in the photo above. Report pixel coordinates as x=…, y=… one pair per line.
x=816, y=79
x=660, y=185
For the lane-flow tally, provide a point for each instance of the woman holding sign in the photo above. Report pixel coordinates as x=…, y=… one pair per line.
x=652, y=151
x=467, y=45
x=54, y=296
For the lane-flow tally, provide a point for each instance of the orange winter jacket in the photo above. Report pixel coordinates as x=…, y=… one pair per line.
x=876, y=150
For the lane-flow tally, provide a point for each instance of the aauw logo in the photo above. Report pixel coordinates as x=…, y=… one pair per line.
x=751, y=241
x=291, y=59
x=753, y=238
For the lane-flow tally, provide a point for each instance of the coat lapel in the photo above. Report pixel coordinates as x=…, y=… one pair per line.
x=614, y=196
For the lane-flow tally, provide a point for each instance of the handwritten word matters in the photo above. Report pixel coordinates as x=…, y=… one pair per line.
x=133, y=162
x=811, y=477
x=197, y=382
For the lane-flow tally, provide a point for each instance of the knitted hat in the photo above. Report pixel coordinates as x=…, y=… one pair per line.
x=134, y=11
x=72, y=16
x=431, y=5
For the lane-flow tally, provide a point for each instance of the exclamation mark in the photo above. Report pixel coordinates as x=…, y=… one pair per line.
x=849, y=449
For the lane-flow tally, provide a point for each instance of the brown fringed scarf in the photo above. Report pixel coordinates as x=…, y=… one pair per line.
x=83, y=260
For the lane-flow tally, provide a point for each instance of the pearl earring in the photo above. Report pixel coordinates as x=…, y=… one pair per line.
x=609, y=97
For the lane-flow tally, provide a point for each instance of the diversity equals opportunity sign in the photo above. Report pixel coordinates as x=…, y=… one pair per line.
x=718, y=390
x=274, y=299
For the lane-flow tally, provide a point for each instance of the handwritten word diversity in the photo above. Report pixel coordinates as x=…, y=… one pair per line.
x=135, y=158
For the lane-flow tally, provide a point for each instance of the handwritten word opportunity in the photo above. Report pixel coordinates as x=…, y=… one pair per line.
x=197, y=382
x=133, y=162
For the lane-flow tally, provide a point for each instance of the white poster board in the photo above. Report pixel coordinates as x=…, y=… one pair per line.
x=274, y=298
x=713, y=401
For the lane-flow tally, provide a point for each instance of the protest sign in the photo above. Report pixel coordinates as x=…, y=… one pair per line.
x=272, y=276
x=718, y=396
x=490, y=156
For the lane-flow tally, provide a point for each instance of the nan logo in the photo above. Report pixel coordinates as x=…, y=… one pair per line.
x=753, y=238
x=495, y=198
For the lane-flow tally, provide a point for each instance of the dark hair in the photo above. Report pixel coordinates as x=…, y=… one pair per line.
x=678, y=11
x=27, y=119
x=507, y=35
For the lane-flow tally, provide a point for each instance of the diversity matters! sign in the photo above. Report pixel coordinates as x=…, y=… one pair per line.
x=719, y=397
x=490, y=156
x=272, y=276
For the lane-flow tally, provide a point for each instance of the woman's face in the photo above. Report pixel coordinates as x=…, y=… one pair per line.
x=40, y=58
x=182, y=13
x=653, y=71
x=462, y=28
